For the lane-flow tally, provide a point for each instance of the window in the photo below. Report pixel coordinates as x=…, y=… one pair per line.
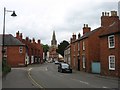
x=83, y=58
x=111, y=41
x=111, y=62
x=20, y=49
x=83, y=45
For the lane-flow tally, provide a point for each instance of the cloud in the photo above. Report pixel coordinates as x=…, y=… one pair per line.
x=38, y=18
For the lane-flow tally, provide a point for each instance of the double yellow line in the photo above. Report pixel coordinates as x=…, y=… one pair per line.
x=34, y=82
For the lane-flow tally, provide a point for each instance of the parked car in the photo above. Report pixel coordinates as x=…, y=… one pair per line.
x=56, y=62
x=64, y=67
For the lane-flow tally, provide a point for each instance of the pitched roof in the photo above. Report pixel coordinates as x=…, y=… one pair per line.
x=86, y=35
x=111, y=29
x=10, y=40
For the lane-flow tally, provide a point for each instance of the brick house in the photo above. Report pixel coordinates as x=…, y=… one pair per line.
x=94, y=46
x=35, y=50
x=15, y=51
x=110, y=45
x=85, y=49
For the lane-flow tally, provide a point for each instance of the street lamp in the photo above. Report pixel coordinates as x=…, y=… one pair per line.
x=3, y=38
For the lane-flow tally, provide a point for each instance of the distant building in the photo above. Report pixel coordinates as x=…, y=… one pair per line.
x=15, y=51
x=67, y=55
x=53, y=55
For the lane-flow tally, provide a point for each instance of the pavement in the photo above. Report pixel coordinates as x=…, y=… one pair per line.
x=17, y=78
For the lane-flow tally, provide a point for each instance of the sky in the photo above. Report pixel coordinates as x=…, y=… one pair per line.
x=38, y=18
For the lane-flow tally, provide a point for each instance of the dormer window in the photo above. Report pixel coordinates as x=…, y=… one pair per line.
x=111, y=41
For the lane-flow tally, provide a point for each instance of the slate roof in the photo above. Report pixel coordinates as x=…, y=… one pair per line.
x=9, y=40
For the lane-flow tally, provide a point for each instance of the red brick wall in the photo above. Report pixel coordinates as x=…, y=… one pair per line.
x=14, y=58
x=86, y=53
x=104, y=55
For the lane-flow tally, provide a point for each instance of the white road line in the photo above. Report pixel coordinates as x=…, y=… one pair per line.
x=33, y=79
x=46, y=69
x=30, y=69
x=104, y=87
x=80, y=81
x=84, y=82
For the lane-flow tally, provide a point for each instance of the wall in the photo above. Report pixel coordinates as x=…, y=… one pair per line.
x=14, y=58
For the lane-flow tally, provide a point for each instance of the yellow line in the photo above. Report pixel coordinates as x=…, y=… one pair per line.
x=33, y=79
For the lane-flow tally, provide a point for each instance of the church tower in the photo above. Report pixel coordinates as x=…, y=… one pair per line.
x=53, y=41
x=53, y=55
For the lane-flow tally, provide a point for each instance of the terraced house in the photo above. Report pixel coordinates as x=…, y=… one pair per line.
x=34, y=50
x=15, y=51
x=98, y=50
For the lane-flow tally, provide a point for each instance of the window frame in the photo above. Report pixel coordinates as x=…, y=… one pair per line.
x=83, y=62
x=109, y=44
x=83, y=44
x=113, y=56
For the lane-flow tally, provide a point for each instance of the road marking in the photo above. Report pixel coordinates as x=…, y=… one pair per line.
x=30, y=69
x=104, y=87
x=33, y=79
x=46, y=69
x=84, y=82
x=80, y=81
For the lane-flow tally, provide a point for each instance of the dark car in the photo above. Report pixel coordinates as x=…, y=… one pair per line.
x=64, y=67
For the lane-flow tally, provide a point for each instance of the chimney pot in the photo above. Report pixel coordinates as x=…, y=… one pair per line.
x=102, y=13
x=113, y=13
x=79, y=35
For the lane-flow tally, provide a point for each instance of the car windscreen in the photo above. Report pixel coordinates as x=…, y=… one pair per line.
x=65, y=66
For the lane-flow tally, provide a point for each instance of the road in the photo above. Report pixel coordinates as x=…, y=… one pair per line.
x=47, y=76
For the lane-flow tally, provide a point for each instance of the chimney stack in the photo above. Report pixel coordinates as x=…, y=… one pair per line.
x=33, y=40
x=21, y=36
x=38, y=41
x=79, y=35
x=27, y=39
x=74, y=36
x=17, y=35
x=107, y=20
x=86, y=29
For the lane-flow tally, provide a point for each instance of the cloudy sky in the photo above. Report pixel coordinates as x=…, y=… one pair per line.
x=38, y=18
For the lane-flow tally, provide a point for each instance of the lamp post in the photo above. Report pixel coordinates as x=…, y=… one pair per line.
x=3, y=38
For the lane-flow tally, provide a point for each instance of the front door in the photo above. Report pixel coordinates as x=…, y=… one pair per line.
x=78, y=64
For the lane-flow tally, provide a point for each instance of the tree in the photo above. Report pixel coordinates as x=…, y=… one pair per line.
x=45, y=49
x=61, y=47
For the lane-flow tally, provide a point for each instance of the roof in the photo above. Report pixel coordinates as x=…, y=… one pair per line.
x=111, y=29
x=10, y=40
x=86, y=35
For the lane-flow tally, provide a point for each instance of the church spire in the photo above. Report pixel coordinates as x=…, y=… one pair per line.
x=53, y=41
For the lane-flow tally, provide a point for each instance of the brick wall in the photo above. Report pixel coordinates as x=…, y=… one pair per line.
x=14, y=57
